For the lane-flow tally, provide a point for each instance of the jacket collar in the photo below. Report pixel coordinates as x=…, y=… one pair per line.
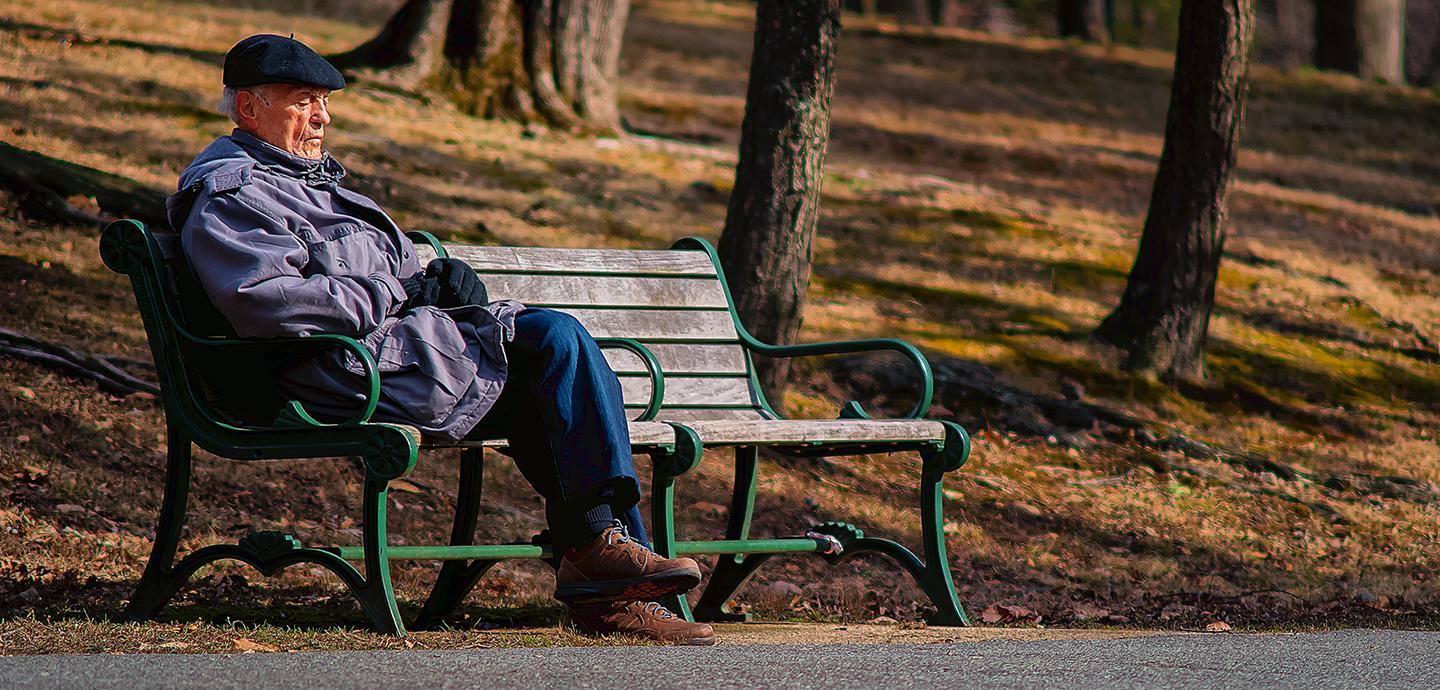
x=312, y=172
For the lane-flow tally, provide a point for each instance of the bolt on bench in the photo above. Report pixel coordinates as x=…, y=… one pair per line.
x=669, y=330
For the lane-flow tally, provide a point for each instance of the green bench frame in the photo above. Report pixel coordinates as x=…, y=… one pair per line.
x=389, y=452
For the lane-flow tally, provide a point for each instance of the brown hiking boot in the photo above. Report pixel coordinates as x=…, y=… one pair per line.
x=613, y=567
x=645, y=619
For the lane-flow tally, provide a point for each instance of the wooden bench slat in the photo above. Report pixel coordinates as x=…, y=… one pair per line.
x=769, y=432
x=678, y=358
x=798, y=431
x=606, y=291
x=681, y=390
x=583, y=261
x=686, y=416
x=641, y=434
x=655, y=324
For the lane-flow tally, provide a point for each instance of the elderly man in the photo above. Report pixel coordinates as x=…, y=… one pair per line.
x=282, y=249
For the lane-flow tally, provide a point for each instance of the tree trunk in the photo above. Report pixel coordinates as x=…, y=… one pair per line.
x=548, y=60
x=1083, y=19
x=1164, y=315
x=770, y=223
x=946, y=12
x=1361, y=37
x=1291, y=33
x=1422, y=42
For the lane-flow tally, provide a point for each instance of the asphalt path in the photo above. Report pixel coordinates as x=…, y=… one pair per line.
x=1343, y=659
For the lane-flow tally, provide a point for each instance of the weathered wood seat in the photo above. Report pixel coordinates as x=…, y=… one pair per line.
x=669, y=330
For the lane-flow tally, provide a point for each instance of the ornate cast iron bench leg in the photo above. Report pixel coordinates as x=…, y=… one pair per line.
x=158, y=582
x=665, y=467
x=270, y=552
x=932, y=574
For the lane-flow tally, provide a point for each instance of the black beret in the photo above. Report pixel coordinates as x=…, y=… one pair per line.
x=271, y=59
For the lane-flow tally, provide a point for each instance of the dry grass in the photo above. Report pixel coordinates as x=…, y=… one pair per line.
x=983, y=199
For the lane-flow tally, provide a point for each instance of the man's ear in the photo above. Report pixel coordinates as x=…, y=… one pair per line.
x=247, y=106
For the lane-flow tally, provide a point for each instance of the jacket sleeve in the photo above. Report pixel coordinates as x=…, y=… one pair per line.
x=250, y=264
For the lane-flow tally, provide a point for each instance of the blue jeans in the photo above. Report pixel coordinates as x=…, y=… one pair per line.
x=563, y=414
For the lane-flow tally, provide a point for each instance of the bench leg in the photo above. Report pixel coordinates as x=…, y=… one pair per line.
x=375, y=593
x=458, y=578
x=159, y=582
x=662, y=526
x=932, y=574
x=665, y=467
x=733, y=570
x=936, y=580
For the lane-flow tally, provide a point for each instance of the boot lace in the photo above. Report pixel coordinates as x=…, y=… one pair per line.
x=655, y=609
x=618, y=533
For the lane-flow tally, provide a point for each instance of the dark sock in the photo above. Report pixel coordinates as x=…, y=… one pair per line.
x=598, y=518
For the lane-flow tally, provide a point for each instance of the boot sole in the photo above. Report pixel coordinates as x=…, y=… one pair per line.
x=643, y=588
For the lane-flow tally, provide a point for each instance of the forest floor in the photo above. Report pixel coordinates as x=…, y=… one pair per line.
x=983, y=198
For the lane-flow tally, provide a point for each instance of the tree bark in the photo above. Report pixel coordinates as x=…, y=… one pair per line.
x=1291, y=33
x=1164, y=314
x=1361, y=37
x=1083, y=19
x=765, y=247
x=1422, y=42
x=554, y=61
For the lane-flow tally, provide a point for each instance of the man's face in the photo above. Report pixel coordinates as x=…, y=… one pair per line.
x=290, y=117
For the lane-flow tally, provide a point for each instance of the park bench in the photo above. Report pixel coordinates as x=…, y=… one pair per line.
x=669, y=329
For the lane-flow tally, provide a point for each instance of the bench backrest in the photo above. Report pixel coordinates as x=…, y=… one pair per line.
x=672, y=301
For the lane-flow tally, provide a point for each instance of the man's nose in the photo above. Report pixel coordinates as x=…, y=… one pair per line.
x=321, y=117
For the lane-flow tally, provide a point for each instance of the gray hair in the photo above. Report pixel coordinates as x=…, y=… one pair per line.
x=227, y=99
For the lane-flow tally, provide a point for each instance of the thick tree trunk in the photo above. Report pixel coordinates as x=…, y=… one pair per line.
x=1290, y=34
x=770, y=223
x=947, y=12
x=1361, y=37
x=1083, y=19
x=1164, y=315
x=549, y=60
x=1422, y=42
x=407, y=47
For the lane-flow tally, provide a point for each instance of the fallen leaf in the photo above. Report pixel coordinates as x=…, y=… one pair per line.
x=1089, y=611
x=1218, y=627
x=406, y=486
x=249, y=646
x=175, y=645
x=70, y=508
x=32, y=472
x=709, y=508
x=86, y=204
x=1000, y=613
x=25, y=393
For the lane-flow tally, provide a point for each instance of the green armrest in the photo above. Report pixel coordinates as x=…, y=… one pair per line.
x=657, y=376
x=852, y=409
x=294, y=414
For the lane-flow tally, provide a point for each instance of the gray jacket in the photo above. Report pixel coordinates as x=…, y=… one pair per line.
x=283, y=250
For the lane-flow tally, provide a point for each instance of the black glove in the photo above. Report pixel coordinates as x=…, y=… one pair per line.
x=420, y=291
x=445, y=283
x=459, y=285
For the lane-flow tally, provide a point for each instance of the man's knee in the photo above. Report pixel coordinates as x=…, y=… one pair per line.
x=554, y=331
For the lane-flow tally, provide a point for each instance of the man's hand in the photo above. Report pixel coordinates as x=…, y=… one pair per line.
x=445, y=283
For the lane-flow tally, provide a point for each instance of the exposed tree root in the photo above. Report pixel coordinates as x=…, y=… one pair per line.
x=104, y=371
x=50, y=189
